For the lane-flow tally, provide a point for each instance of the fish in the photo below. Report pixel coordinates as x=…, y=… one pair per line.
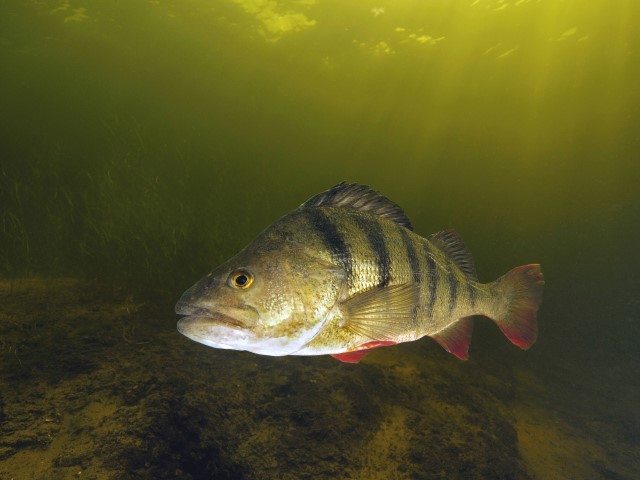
x=344, y=274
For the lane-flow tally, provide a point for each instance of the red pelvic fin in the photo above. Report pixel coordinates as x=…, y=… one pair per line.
x=356, y=355
x=456, y=338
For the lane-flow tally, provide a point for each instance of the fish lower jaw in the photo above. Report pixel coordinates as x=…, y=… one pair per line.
x=213, y=333
x=232, y=337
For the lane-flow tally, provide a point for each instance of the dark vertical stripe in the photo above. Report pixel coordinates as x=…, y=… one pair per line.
x=472, y=293
x=332, y=239
x=416, y=272
x=375, y=236
x=433, y=280
x=453, y=287
x=414, y=317
x=414, y=261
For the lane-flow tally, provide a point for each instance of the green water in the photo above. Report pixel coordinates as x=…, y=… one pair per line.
x=144, y=142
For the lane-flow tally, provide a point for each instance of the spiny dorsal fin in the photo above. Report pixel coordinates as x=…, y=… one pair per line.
x=452, y=245
x=359, y=197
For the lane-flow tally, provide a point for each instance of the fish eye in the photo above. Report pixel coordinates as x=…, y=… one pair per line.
x=241, y=279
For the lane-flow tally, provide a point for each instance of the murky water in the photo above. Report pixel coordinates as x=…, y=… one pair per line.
x=143, y=143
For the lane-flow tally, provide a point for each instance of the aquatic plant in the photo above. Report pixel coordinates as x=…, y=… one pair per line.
x=136, y=216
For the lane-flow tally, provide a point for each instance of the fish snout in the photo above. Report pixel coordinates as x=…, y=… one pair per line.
x=186, y=308
x=239, y=316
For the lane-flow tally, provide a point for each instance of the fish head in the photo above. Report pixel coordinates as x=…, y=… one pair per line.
x=272, y=298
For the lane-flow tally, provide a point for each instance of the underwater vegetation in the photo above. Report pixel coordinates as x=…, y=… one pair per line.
x=102, y=221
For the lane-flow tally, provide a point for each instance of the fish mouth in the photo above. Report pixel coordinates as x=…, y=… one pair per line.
x=241, y=317
x=219, y=327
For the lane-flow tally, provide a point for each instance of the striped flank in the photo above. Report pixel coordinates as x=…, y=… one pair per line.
x=414, y=261
x=375, y=237
x=331, y=237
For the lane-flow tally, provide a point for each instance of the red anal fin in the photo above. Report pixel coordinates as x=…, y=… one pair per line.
x=356, y=355
x=350, y=357
x=456, y=338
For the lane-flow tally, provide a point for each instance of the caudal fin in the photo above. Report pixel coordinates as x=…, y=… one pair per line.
x=519, y=295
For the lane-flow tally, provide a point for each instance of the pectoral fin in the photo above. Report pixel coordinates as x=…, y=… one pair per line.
x=382, y=313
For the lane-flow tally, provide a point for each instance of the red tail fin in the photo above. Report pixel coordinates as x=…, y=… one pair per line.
x=521, y=293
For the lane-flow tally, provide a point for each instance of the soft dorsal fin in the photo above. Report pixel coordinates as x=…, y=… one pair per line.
x=359, y=197
x=452, y=245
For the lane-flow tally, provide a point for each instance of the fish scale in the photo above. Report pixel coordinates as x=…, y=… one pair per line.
x=440, y=275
